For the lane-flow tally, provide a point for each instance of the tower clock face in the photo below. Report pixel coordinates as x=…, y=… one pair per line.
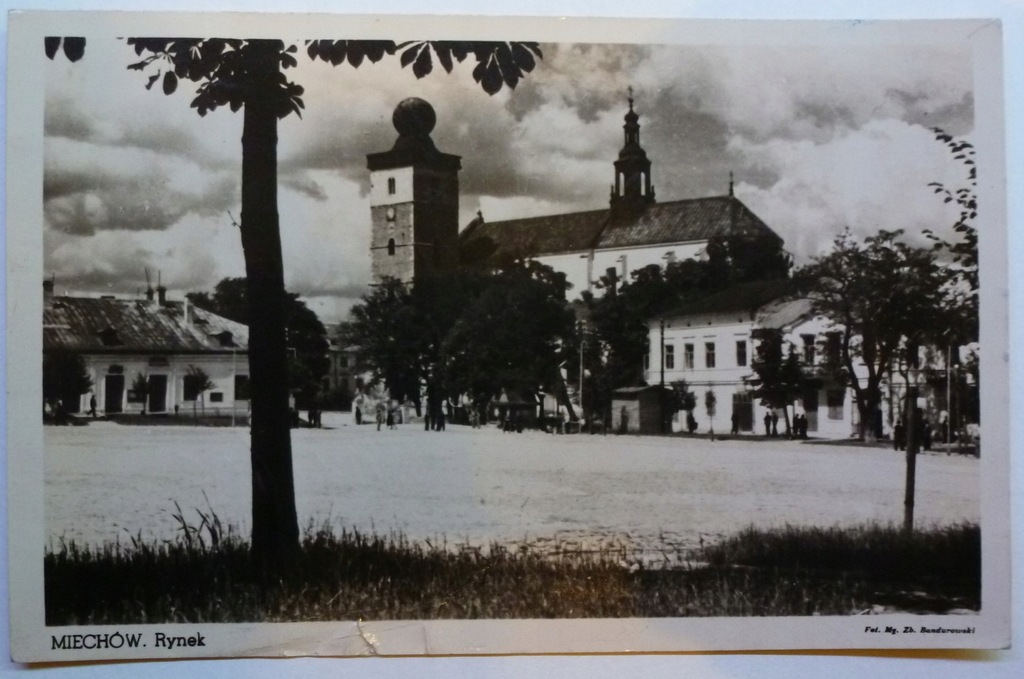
x=390, y=214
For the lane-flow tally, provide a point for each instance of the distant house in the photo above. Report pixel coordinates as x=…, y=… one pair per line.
x=711, y=343
x=152, y=343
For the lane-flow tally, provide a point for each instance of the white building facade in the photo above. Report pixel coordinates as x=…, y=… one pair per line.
x=145, y=355
x=712, y=345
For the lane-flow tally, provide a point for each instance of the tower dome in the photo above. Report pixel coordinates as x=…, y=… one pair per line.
x=414, y=117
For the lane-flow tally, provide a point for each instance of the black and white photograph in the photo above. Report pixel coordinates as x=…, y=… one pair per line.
x=415, y=336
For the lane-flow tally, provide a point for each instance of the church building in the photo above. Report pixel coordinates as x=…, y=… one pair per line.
x=414, y=204
x=633, y=232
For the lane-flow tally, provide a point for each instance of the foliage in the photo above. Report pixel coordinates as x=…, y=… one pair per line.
x=205, y=576
x=140, y=390
x=681, y=398
x=964, y=251
x=710, y=402
x=779, y=375
x=879, y=295
x=197, y=382
x=465, y=332
x=620, y=316
x=65, y=377
x=510, y=337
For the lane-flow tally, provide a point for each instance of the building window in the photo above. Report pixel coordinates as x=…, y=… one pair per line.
x=709, y=354
x=741, y=353
x=391, y=186
x=688, y=356
x=216, y=397
x=241, y=387
x=832, y=343
x=647, y=360
x=391, y=246
x=808, y=349
x=670, y=357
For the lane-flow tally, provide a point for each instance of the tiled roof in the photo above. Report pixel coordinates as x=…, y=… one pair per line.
x=680, y=221
x=547, y=235
x=784, y=313
x=684, y=221
x=749, y=297
x=119, y=326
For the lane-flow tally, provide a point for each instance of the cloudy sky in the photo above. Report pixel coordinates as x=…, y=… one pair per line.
x=818, y=138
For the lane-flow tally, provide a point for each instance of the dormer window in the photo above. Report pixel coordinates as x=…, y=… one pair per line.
x=225, y=339
x=108, y=336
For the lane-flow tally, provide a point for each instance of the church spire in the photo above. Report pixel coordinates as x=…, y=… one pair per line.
x=633, y=188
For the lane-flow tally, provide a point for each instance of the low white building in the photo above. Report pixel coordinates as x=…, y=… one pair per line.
x=711, y=344
x=128, y=343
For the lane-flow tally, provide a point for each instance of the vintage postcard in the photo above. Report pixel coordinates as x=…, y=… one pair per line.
x=351, y=335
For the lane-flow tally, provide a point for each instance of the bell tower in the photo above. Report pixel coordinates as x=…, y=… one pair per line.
x=633, y=188
x=414, y=200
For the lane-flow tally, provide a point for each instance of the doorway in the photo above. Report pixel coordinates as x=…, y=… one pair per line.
x=156, y=389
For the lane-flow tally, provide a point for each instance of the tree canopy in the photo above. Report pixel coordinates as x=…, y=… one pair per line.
x=879, y=295
x=466, y=332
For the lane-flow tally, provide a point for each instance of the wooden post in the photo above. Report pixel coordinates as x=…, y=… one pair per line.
x=913, y=443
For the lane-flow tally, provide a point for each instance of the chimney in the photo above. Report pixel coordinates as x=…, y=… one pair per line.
x=48, y=294
x=149, y=294
x=161, y=295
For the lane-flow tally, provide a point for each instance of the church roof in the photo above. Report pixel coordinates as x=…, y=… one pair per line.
x=678, y=221
x=122, y=326
x=551, y=234
x=684, y=221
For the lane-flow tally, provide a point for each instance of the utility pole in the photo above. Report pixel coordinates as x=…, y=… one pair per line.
x=913, y=440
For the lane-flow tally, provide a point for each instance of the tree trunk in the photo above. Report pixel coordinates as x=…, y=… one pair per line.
x=275, y=532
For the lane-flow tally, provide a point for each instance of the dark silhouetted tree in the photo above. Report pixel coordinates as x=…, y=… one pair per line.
x=65, y=378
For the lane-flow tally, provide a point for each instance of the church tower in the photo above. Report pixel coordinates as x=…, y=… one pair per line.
x=414, y=200
x=633, y=188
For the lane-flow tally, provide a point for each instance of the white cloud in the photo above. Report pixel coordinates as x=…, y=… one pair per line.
x=818, y=137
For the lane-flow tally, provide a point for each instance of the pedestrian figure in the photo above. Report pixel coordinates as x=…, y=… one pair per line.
x=92, y=405
x=380, y=415
x=440, y=420
x=899, y=436
x=391, y=418
x=691, y=421
x=768, y=424
x=359, y=415
x=775, y=423
x=926, y=435
x=735, y=423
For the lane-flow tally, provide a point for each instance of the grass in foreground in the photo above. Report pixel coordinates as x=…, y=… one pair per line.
x=204, y=576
